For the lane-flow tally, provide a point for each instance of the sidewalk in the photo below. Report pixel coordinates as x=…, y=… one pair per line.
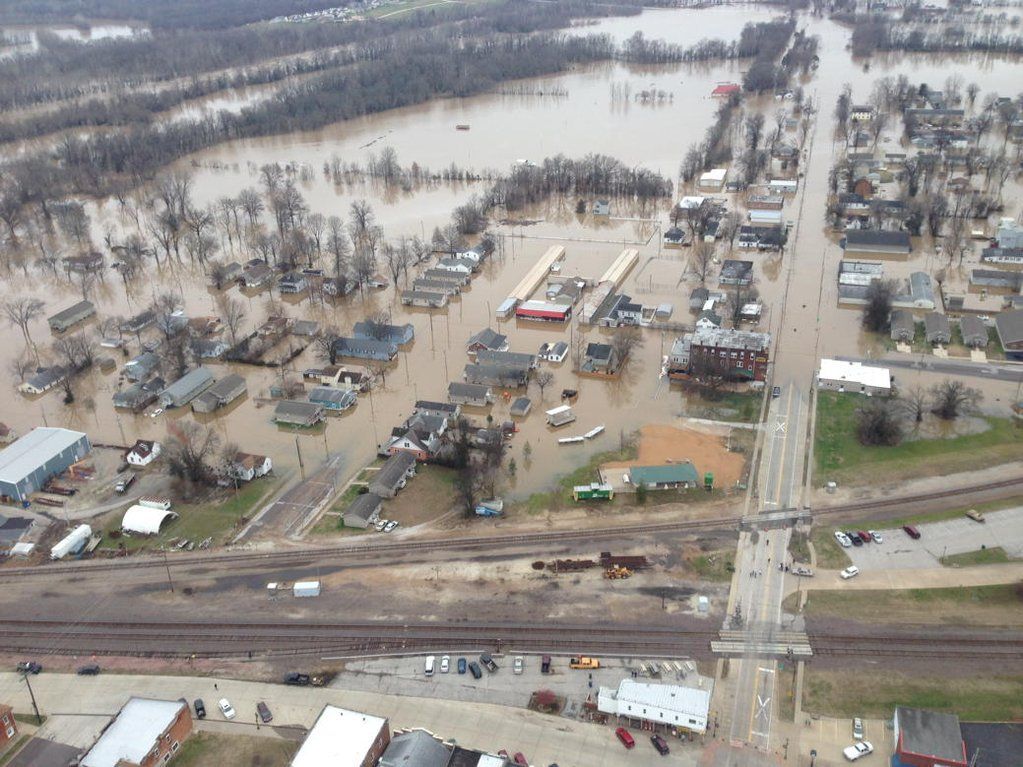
x=544, y=739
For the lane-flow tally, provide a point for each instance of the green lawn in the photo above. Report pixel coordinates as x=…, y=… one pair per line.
x=743, y=407
x=994, y=556
x=830, y=556
x=214, y=518
x=983, y=698
x=999, y=605
x=799, y=547
x=839, y=456
x=714, y=566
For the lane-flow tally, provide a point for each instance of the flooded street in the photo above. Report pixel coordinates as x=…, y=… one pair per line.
x=574, y=114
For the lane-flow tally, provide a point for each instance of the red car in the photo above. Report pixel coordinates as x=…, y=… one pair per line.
x=520, y=759
x=911, y=531
x=867, y=537
x=625, y=737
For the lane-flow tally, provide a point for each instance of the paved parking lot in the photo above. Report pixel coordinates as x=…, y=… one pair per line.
x=406, y=676
x=937, y=539
x=828, y=736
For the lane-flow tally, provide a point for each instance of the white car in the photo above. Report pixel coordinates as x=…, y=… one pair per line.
x=390, y=525
x=445, y=664
x=156, y=412
x=381, y=525
x=856, y=750
x=843, y=539
x=878, y=538
x=226, y=708
x=850, y=572
x=517, y=665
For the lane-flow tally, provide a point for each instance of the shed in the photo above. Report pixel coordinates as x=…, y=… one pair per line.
x=363, y=511
x=521, y=406
x=936, y=328
x=675, y=476
x=145, y=520
x=393, y=475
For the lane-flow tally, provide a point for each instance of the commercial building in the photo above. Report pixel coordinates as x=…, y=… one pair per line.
x=145, y=733
x=31, y=461
x=927, y=739
x=342, y=738
x=733, y=354
x=63, y=320
x=875, y=243
x=675, y=476
x=675, y=707
x=187, y=388
x=543, y=311
x=842, y=376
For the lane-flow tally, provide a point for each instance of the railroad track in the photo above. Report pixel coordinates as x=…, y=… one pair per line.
x=477, y=543
x=209, y=639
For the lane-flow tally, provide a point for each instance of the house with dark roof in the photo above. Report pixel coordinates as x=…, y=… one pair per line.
x=393, y=475
x=415, y=749
x=449, y=411
x=937, y=329
x=503, y=376
x=256, y=275
x=63, y=320
x=43, y=380
x=697, y=298
x=1010, y=333
x=974, y=332
x=420, y=435
x=399, y=335
x=599, y=358
x=330, y=398
x=487, y=340
x=139, y=394
x=674, y=237
x=139, y=322
x=872, y=242
x=993, y=744
x=927, y=739
x=508, y=359
x=222, y=393
x=139, y=367
x=521, y=406
x=292, y=282
x=736, y=272
x=295, y=413
x=363, y=511
x=903, y=326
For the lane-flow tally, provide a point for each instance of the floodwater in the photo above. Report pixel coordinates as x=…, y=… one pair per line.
x=26, y=38
x=578, y=114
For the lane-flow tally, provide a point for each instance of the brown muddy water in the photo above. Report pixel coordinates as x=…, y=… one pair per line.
x=503, y=129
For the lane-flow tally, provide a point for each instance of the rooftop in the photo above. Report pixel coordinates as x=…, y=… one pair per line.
x=855, y=373
x=339, y=738
x=668, y=697
x=26, y=454
x=675, y=472
x=929, y=733
x=132, y=734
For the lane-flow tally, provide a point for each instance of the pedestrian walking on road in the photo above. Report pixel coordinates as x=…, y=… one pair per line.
x=215, y=687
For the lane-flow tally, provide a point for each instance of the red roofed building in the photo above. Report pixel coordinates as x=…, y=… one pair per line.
x=725, y=89
x=543, y=311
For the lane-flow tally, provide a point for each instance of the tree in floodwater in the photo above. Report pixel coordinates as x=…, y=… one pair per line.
x=22, y=311
x=950, y=398
x=878, y=424
x=878, y=308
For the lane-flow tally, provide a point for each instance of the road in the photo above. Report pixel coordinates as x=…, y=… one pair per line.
x=289, y=514
x=931, y=364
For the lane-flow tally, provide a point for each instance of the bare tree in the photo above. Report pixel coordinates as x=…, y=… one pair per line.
x=624, y=342
x=702, y=259
x=252, y=205
x=949, y=398
x=21, y=312
x=326, y=344
x=398, y=258
x=20, y=367
x=191, y=450
x=878, y=308
x=878, y=424
x=543, y=379
x=232, y=312
x=916, y=402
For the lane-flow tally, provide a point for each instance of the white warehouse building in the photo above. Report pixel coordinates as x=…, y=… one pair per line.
x=844, y=376
x=678, y=707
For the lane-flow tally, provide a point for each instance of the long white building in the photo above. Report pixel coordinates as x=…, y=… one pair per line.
x=682, y=707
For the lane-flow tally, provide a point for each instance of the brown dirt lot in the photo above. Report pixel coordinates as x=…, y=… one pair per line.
x=660, y=445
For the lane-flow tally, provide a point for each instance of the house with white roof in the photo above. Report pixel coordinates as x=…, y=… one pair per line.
x=343, y=738
x=145, y=732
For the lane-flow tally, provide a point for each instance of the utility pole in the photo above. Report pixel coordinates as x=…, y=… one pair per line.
x=166, y=564
x=32, y=695
x=298, y=450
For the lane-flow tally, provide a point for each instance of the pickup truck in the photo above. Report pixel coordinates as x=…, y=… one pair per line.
x=124, y=483
x=584, y=662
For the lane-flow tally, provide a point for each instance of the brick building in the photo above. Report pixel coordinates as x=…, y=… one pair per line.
x=145, y=733
x=737, y=355
x=8, y=727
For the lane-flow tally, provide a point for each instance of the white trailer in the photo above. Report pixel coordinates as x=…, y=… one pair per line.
x=306, y=589
x=71, y=542
x=155, y=503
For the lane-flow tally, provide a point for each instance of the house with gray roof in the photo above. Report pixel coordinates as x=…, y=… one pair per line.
x=1010, y=333
x=508, y=359
x=487, y=339
x=378, y=331
x=139, y=367
x=974, y=332
x=187, y=388
x=43, y=379
x=478, y=395
x=363, y=511
x=415, y=749
x=365, y=349
x=937, y=329
x=393, y=475
x=425, y=299
x=222, y=393
x=333, y=399
x=874, y=242
x=503, y=376
x=295, y=413
x=917, y=293
x=903, y=326
x=79, y=312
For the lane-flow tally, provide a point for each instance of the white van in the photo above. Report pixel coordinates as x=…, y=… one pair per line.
x=430, y=660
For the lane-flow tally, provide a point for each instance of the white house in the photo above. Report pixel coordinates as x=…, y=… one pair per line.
x=684, y=707
x=247, y=466
x=143, y=453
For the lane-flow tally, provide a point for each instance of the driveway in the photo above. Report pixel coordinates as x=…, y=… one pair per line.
x=937, y=539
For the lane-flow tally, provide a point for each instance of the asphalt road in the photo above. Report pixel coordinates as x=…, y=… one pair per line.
x=1009, y=373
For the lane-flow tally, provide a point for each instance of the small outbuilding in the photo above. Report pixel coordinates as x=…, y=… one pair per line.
x=844, y=376
x=145, y=520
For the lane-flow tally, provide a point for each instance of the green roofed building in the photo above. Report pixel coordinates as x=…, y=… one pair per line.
x=675, y=476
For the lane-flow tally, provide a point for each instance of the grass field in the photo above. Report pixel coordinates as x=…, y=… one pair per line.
x=214, y=518
x=830, y=556
x=743, y=407
x=875, y=695
x=714, y=565
x=996, y=555
x=973, y=606
x=839, y=456
x=205, y=749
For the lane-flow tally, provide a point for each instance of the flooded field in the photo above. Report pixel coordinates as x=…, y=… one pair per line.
x=574, y=114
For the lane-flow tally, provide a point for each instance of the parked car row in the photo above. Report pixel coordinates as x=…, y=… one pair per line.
x=430, y=665
x=386, y=525
x=857, y=537
x=628, y=741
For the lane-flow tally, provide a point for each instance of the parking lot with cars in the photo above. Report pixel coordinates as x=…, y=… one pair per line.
x=938, y=539
x=830, y=738
x=505, y=686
